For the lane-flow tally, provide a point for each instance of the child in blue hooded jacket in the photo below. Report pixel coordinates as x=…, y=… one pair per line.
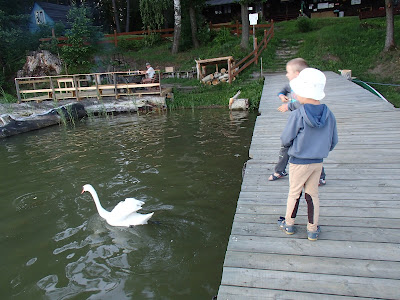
x=311, y=133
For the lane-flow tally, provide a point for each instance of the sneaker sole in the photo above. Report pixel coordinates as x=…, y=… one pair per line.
x=310, y=239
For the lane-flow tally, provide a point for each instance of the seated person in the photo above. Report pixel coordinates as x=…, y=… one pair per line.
x=149, y=74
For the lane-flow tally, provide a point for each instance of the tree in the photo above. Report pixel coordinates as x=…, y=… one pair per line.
x=193, y=26
x=81, y=39
x=15, y=41
x=128, y=12
x=177, y=26
x=116, y=16
x=244, y=44
x=389, y=42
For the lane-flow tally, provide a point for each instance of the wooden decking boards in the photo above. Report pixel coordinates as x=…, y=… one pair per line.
x=358, y=252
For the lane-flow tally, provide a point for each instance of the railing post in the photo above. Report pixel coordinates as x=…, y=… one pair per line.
x=76, y=87
x=255, y=51
x=115, y=39
x=96, y=81
x=53, y=96
x=17, y=88
x=115, y=85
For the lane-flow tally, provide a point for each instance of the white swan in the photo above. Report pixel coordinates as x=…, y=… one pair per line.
x=124, y=214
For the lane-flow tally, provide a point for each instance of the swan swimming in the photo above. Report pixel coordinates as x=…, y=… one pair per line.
x=124, y=213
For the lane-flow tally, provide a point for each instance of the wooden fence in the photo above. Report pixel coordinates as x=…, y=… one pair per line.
x=79, y=86
x=165, y=33
x=253, y=56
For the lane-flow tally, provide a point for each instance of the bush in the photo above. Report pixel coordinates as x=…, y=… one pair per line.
x=152, y=40
x=130, y=44
x=304, y=24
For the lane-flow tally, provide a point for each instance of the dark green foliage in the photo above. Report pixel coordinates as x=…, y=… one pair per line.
x=152, y=40
x=304, y=24
x=82, y=38
x=130, y=45
x=15, y=42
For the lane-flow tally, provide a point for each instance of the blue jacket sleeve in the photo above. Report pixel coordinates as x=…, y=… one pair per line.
x=334, y=137
x=293, y=105
x=292, y=128
x=285, y=91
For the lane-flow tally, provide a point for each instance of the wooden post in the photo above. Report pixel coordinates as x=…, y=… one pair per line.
x=53, y=34
x=76, y=87
x=115, y=39
x=115, y=85
x=229, y=71
x=53, y=95
x=17, y=89
x=255, y=53
x=198, y=70
x=96, y=81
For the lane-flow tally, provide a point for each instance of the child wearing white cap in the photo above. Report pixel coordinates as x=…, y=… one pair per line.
x=311, y=133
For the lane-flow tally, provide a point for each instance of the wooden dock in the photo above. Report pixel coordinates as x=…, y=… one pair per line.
x=357, y=255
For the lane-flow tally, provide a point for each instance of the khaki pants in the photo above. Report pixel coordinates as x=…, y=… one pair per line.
x=307, y=177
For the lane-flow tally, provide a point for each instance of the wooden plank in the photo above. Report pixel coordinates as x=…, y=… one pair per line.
x=308, y=264
x=337, y=233
x=239, y=293
x=323, y=248
x=365, y=212
x=326, y=194
x=313, y=283
x=324, y=221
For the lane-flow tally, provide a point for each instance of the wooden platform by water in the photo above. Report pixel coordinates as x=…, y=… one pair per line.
x=357, y=255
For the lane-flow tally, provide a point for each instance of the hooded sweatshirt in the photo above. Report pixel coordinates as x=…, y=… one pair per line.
x=311, y=133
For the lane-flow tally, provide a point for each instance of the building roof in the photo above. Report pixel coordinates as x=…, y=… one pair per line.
x=55, y=11
x=220, y=2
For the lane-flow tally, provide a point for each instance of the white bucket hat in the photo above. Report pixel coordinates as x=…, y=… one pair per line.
x=309, y=84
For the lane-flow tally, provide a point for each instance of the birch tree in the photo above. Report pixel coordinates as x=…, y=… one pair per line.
x=177, y=26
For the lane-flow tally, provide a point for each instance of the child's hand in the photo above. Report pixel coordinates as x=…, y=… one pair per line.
x=283, y=108
x=283, y=98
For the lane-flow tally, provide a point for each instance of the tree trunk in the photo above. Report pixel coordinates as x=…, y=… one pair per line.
x=244, y=44
x=193, y=25
x=116, y=18
x=128, y=8
x=177, y=26
x=389, y=42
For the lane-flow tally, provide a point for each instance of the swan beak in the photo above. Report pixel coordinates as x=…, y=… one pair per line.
x=83, y=190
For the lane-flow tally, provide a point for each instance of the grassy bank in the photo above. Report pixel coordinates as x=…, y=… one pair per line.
x=345, y=43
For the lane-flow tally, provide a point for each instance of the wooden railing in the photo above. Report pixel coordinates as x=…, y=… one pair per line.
x=252, y=57
x=79, y=86
x=115, y=37
x=165, y=33
x=237, y=27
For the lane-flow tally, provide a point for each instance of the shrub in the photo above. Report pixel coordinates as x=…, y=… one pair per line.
x=130, y=44
x=304, y=24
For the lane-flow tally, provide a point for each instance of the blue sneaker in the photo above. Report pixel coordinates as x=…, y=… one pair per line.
x=313, y=235
x=288, y=229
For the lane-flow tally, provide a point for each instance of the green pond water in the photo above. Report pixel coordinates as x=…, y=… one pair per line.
x=185, y=165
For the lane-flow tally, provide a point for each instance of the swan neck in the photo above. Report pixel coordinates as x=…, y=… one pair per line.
x=102, y=212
